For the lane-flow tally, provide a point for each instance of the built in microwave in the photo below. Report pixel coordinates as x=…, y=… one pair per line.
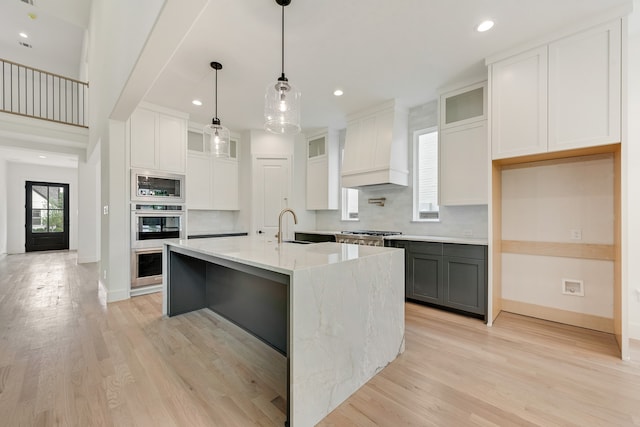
x=157, y=187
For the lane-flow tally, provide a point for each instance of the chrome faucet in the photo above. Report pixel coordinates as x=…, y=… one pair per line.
x=295, y=221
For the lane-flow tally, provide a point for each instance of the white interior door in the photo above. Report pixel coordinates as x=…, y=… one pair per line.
x=271, y=184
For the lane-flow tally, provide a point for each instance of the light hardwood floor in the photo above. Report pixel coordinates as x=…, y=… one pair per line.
x=68, y=358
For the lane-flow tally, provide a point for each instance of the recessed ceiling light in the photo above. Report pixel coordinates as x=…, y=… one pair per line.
x=24, y=35
x=196, y=102
x=42, y=157
x=338, y=92
x=484, y=26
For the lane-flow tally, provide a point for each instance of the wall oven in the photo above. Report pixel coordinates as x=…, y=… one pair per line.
x=146, y=267
x=151, y=224
x=157, y=187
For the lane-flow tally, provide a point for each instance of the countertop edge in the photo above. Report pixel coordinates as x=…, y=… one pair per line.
x=258, y=264
x=439, y=239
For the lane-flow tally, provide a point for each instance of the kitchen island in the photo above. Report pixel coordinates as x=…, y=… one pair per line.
x=335, y=311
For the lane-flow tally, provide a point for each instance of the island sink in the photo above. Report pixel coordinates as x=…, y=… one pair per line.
x=334, y=311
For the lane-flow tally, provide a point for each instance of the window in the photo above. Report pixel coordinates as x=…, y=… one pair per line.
x=349, y=204
x=425, y=186
x=349, y=201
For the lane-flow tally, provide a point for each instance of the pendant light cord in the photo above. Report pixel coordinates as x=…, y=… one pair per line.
x=282, y=40
x=216, y=94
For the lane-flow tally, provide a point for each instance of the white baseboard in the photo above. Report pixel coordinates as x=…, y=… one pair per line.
x=119, y=295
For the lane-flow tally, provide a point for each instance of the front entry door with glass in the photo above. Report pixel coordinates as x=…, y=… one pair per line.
x=47, y=216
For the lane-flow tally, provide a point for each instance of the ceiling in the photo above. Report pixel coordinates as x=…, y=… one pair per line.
x=373, y=50
x=38, y=157
x=56, y=34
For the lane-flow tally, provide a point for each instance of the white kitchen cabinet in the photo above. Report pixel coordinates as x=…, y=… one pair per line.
x=463, y=106
x=322, y=171
x=585, y=88
x=463, y=146
x=560, y=96
x=518, y=87
x=376, y=147
x=198, y=181
x=224, y=184
x=158, y=140
x=464, y=165
x=212, y=183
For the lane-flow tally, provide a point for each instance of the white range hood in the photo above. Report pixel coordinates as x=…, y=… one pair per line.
x=376, y=147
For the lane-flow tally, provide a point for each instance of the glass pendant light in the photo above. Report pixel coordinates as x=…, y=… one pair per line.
x=216, y=136
x=282, y=99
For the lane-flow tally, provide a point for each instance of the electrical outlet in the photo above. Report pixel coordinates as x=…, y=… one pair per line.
x=573, y=287
x=105, y=209
x=576, y=234
x=104, y=274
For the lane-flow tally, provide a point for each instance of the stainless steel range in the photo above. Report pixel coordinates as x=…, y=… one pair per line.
x=365, y=237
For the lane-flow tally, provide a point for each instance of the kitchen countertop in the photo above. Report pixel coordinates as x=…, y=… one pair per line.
x=415, y=238
x=344, y=317
x=206, y=235
x=439, y=239
x=323, y=232
x=285, y=258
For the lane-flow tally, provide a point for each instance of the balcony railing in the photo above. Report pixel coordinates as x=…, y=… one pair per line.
x=35, y=93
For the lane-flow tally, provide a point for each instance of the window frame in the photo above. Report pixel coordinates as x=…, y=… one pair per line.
x=344, y=193
x=416, y=172
x=344, y=214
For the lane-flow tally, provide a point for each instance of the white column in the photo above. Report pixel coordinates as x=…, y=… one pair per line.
x=88, y=213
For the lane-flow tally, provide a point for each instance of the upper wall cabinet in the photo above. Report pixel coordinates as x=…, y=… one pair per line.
x=322, y=171
x=158, y=139
x=560, y=96
x=584, y=89
x=464, y=147
x=463, y=106
x=519, y=104
x=212, y=182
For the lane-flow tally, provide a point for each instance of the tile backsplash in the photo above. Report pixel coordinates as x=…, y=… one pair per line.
x=397, y=212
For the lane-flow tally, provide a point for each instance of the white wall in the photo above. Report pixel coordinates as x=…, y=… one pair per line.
x=543, y=204
x=22, y=172
x=3, y=206
x=633, y=174
x=397, y=213
x=123, y=65
x=112, y=55
x=89, y=209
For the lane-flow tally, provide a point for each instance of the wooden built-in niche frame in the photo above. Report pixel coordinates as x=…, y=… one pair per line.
x=572, y=250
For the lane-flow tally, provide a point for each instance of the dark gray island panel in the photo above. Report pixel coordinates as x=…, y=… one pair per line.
x=187, y=275
x=256, y=304
x=252, y=298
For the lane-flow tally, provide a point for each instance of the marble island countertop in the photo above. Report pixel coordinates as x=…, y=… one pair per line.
x=336, y=311
x=284, y=258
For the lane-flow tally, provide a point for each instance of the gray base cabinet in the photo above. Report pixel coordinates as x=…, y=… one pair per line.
x=446, y=274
